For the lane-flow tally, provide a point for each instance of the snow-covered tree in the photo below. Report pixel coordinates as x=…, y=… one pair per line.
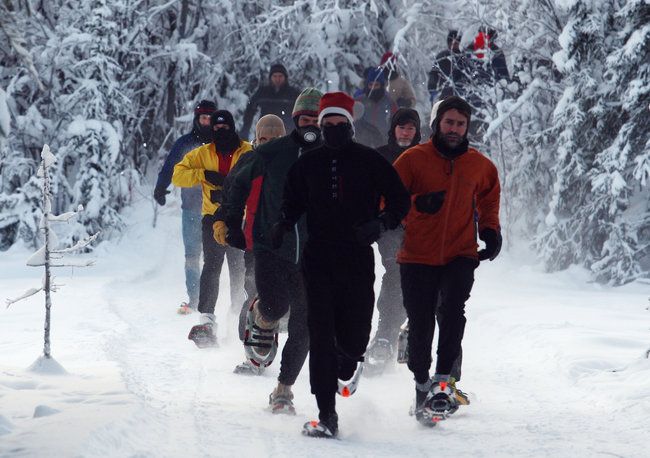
x=598, y=214
x=50, y=255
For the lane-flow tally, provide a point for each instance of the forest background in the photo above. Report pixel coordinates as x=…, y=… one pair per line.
x=109, y=85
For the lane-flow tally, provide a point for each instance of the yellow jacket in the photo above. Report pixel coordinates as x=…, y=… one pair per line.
x=190, y=172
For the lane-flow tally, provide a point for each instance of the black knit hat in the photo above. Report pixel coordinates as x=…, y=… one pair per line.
x=452, y=102
x=222, y=117
x=453, y=35
x=278, y=68
x=205, y=107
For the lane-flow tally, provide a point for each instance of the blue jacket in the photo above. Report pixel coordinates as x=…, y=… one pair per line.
x=191, y=198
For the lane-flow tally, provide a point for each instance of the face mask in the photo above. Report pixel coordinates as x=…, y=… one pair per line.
x=376, y=95
x=309, y=134
x=226, y=139
x=204, y=133
x=337, y=136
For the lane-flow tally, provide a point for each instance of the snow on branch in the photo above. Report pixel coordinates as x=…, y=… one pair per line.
x=79, y=245
x=25, y=295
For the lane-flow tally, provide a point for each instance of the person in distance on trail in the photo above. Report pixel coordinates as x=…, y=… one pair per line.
x=377, y=107
x=399, y=88
x=452, y=70
x=454, y=188
x=277, y=97
x=190, y=199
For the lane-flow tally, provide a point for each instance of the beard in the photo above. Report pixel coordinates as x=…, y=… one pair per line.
x=451, y=140
x=376, y=95
x=404, y=143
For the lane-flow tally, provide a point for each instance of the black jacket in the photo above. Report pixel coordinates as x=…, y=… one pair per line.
x=257, y=183
x=340, y=189
x=450, y=74
x=269, y=101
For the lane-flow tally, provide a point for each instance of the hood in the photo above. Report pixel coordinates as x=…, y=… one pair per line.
x=402, y=116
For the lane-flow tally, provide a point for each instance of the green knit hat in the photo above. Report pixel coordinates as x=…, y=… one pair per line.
x=307, y=103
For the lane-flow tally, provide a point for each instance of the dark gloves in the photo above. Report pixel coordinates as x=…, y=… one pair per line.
x=276, y=233
x=492, y=241
x=159, y=194
x=235, y=235
x=214, y=178
x=236, y=238
x=369, y=232
x=430, y=203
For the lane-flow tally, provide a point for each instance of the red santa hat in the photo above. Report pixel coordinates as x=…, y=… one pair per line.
x=336, y=103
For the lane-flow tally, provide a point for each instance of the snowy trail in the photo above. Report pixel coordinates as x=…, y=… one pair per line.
x=555, y=367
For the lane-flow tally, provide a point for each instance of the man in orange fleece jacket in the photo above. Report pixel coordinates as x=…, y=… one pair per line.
x=453, y=189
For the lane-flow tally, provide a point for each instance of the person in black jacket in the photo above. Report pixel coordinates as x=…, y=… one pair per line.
x=404, y=132
x=277, y=98
x=258, y=185
x=339, y=186
x=452, y=70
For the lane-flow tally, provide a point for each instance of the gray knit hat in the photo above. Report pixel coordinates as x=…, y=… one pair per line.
x=307, y=103
x=269, y=126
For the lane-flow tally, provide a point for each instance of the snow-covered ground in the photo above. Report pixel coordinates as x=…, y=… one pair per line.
x=555, y=365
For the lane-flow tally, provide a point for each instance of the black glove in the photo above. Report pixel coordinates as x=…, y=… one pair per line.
x=159, y=194
x=430, y=203
x=213, y=177
x=235, y=236
x=276, y=233
x=492, y=241
x=368, y=232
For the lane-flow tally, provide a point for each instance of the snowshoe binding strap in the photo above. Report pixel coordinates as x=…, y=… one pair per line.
x=315, y=428
x=248, y=368
x=260, y=344
x=281, y=405
x=348, y=388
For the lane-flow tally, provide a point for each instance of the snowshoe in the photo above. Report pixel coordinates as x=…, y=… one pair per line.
x=439, y=403
x=185, y=309
x=248, y=368
x=349, y=387
x=378, y=356
x=281, y=400
x=204, y=335
x=327, y=429
x=260, y=343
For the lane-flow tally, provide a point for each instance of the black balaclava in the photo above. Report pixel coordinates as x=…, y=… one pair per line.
x=447, y=104
x=401, y=117
x=226, y=140
x=339, y=136
x=204, y=133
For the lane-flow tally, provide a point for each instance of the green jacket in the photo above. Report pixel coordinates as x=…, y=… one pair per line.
x=256, y=185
